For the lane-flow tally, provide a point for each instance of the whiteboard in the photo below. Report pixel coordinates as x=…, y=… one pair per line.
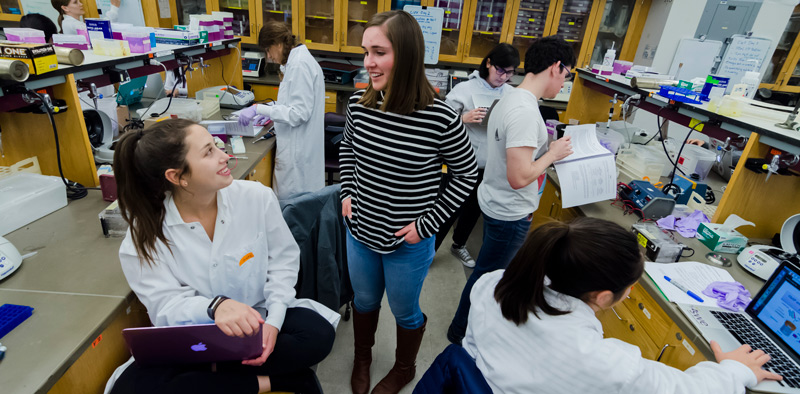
x=41, y=7
x=698, y=58
x=130, y=11
x=430, y=19
x=737, y=59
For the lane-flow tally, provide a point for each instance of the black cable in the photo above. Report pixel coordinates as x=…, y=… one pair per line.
x=180, y=80
x=75, y=191
x=710, y=197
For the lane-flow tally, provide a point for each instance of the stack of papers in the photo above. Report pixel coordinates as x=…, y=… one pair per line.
x=589, y=174
x=693, y=275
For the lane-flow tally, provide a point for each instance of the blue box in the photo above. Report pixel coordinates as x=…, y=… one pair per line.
x=99, y=25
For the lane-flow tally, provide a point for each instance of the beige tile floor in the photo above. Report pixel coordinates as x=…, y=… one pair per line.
x=439, y=299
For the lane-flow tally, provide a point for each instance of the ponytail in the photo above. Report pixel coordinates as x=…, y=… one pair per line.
x=579, y=257
x=140, y=161
x=57, y=4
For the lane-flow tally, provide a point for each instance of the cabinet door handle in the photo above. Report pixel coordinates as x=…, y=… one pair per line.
x=661, y=354
x=615, y=313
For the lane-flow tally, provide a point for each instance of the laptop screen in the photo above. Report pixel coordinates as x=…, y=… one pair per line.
x=778, y=306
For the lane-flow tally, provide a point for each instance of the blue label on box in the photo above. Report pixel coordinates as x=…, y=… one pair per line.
x=100, y=25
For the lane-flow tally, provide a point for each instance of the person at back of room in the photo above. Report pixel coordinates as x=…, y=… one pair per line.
x=532, y=327
x=515, y=164
x=397, y=136
x=70, y=13
x=204, y=248
x=487, y=82
x=299, y=113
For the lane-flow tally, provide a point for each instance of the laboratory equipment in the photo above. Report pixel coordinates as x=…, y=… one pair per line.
x=649, y=202
x=10, y=260
x=657, y=243
x=228, y=96
x=253, y=63
x=25, y=197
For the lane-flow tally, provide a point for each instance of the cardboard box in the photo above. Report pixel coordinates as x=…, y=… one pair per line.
x=40, y=58
x=724, y=241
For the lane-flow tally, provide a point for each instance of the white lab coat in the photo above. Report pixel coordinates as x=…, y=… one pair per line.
x=253, y=259
x=460, y=98
x=568, y=354
x=70, y=25
x=299, y=116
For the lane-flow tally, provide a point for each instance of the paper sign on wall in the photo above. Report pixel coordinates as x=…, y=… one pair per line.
x=430, y=20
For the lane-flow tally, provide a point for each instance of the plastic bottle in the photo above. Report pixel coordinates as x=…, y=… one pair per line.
x=752, y=79
x=608, y=59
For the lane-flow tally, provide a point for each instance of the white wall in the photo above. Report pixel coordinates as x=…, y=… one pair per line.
x=668, y=22
x=771, y=22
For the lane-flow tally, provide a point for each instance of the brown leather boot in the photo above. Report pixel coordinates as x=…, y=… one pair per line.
x=364, y=327
x=402, y=373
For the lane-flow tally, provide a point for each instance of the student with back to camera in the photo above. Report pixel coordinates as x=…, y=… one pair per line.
x=204, y=248
x=515, y=164
x=488, y=80
x=40, y=22
x=532, y=327
x=299, y=113
x=396, y=137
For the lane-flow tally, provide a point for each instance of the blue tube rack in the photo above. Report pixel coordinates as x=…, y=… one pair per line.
x=11, y=316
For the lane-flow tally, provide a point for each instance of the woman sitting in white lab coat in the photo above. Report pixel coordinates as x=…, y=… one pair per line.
x=298, y=114
x=204, y=248
x=532, y=327
x=71, y=11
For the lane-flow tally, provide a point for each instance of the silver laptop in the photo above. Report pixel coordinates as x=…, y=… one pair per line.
x=771, y=323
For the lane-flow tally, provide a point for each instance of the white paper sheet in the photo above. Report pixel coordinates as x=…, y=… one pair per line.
x=232, y=127
x=589, y=174
x=163, y=9
x=693, y=275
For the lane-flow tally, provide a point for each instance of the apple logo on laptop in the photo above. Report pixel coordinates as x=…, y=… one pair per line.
x=200, y=347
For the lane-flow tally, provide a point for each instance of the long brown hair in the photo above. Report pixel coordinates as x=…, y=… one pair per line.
x=408, y=89
x=140, y=161
x=274, y=32
x=57, y=4
x=579, y=257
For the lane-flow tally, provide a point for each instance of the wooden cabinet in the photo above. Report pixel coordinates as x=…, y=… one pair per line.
x=783, y=73
x=639, y=320
x=356, y=15
x=550, y=207
x=10, y=10
x=320, y=24
x=245, y=17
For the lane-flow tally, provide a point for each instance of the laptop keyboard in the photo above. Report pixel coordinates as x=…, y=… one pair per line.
x=746, y=332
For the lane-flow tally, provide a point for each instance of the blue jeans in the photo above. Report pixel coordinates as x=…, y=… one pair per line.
x=400, y=273
x=501, y=241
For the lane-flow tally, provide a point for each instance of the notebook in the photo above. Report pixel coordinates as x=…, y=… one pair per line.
x=190, y=344
x=771, y=322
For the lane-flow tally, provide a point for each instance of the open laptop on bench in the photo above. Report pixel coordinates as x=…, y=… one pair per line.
x=771, y=323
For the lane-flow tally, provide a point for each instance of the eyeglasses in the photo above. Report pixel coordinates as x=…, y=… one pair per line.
x=569, y=75
x=501, y=71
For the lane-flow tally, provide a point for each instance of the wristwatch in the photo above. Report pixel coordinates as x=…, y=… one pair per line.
x=212, y=307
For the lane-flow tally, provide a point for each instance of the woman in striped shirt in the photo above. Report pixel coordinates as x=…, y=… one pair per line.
x=397, y=136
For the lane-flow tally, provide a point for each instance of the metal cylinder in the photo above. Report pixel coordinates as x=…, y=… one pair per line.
x=651, y=83
x=71, y=56
x=14, y=70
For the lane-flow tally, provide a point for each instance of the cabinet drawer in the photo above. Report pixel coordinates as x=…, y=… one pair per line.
x=679, y=352
x=647, y=312
x=265, y=92
x=330, y=97
x=619, y=323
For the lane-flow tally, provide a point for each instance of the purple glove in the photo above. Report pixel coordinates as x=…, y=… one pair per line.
x=730, y=295
x=247, y=115
x=260, y=120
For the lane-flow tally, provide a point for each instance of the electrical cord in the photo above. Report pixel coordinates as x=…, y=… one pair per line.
x=171, y=93
x=75, y=190
x=222, y=74
x=670, y=185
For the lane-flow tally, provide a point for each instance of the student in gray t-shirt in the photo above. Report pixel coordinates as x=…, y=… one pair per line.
x=515, y=164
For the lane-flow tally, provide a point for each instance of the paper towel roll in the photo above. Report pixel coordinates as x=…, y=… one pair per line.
x=14, y=70
x=69, y=56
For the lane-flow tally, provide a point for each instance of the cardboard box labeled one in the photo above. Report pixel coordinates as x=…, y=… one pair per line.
x=40, y=58
x=723, y=237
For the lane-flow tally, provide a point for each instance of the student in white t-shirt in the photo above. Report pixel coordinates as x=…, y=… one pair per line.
x=515, y=165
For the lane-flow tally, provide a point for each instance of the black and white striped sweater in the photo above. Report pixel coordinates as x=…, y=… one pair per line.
x=391, y=167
